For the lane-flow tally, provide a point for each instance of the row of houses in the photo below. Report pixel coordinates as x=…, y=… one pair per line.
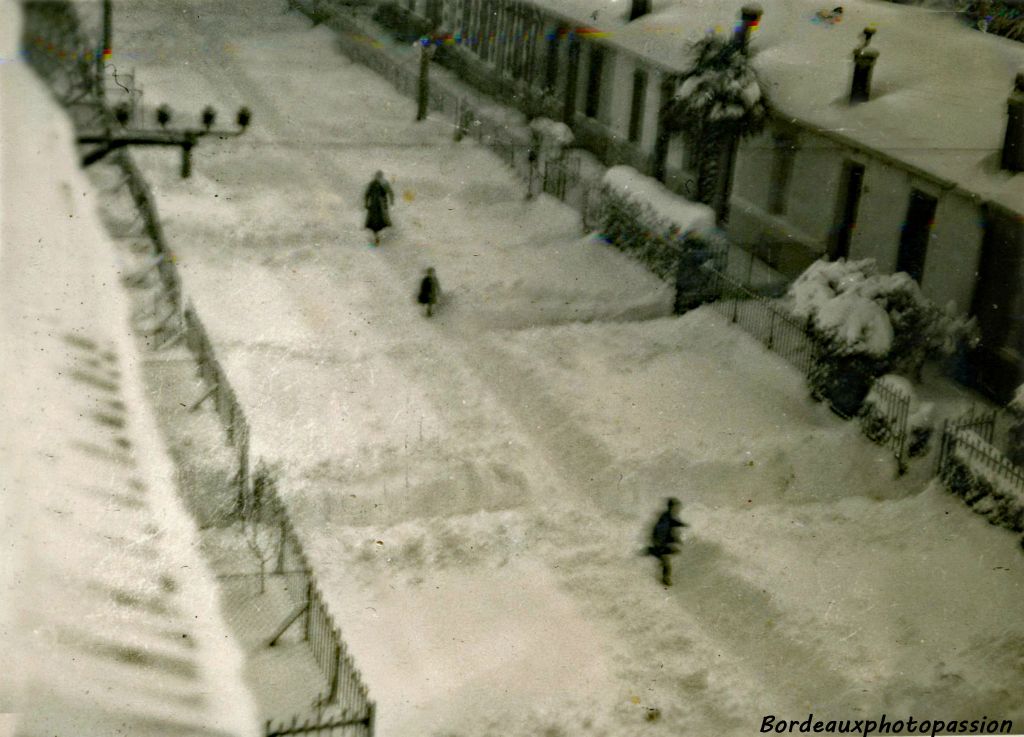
x=920, y=173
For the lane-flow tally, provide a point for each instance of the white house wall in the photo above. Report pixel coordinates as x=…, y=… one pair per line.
x=954, y=251
x=883, y=205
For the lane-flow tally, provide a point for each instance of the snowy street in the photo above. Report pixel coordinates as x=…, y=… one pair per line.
x=476, y=489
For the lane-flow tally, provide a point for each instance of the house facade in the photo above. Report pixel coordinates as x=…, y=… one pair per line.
x=798, y=192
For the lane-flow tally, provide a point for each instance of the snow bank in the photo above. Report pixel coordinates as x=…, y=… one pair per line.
x=118, y=627
x=688, y=217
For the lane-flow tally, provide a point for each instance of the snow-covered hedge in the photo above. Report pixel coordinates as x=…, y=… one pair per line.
x=987, y=493
x=643, y=218
x=865, y=324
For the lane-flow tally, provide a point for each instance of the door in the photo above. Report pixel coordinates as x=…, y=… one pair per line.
x=850, y=187
x=917, y=229
x=998, y=306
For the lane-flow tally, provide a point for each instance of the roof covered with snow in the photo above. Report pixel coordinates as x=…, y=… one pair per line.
x=939, y=88
x=110, y=619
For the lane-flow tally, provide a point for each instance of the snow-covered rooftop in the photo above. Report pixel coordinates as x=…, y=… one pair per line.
x=939, y=88
x=110, y=620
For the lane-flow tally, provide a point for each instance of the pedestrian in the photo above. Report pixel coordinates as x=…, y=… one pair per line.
x=430, y=291
x=376, y=200
x=665, y=540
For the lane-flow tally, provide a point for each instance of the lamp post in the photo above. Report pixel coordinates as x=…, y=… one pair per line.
x=184, y=138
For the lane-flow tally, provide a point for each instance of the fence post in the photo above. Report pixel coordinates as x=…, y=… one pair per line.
x=335, y=670
x=371, y=717
x=281, y=545
x=771, y=329
x=307, y=620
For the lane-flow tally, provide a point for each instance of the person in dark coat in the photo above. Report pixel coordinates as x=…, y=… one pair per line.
x=430, y=291
x=376, y=200
x=665, y=540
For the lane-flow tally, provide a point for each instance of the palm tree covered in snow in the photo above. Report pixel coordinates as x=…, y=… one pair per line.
x=718, y=101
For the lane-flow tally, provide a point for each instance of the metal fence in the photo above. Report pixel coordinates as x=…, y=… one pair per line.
x=978, y=472
x=777, y=329
x=885, y=420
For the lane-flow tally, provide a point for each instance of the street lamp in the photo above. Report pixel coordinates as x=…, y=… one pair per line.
x=184, y=138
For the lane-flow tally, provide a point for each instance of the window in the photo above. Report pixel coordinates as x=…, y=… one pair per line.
x=551, y=63
x=636, y=108
x=917, y=228
x=593, y=102
x=782, y=172
x=847, y=204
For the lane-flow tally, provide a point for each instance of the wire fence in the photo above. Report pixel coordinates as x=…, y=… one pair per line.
x=885, y=420
x=979, y=473
x=777, y=329
x=352, y=713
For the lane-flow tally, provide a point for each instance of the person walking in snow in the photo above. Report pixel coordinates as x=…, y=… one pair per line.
x=376, y=199
x=430, y=291
x=665, y=540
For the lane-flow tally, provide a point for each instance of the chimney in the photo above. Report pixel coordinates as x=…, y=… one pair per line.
x=638, y=8
x=863, y=64
x=1013, y=142
x=750, y=15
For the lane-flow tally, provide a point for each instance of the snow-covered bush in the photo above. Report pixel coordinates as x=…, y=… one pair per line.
x=720, y=87
x=641, y=217
x=865, y=324
x=719, y=100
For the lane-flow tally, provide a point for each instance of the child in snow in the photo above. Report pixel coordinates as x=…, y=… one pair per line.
x=830, y=16
x=664, y=539
x=430, y=291
x=376, y=199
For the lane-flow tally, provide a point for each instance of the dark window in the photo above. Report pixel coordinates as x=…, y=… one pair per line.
x=917, y=229
x=467, y=15
x=551, y=63
x=782, y=172
x=636, y=108
x=593, y=104
x=846, y=209
x=571, y=78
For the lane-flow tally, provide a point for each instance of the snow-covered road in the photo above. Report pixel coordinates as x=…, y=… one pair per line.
x=475, y=488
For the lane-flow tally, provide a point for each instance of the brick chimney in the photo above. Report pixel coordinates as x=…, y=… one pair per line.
x=1013, y=142
x=750, y=16
x=863, y=65
x=638, y=8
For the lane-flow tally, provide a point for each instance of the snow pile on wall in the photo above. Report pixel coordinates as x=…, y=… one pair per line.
x=112, y=623
x=554, y=134
x=921, y=415
x=685, y=216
